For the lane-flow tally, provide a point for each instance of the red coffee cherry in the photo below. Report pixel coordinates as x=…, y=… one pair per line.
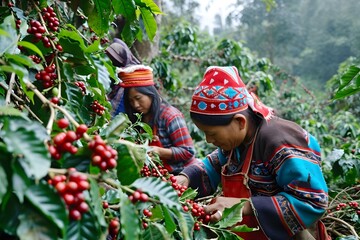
x=75, y=214
x=81, y=129
x=63, y=123
x=114, y=227
x=55, y=100
x=105, y=204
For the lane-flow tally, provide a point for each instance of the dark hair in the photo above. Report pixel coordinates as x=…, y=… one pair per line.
x=223, y=120
x=156, y=100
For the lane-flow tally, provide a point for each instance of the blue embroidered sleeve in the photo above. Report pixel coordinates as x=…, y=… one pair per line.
x=303, y=198
x=205, y=175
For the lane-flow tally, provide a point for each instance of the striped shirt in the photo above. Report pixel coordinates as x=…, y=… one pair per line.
x=174, y=134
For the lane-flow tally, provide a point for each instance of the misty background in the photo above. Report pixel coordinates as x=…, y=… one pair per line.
x=307, y=38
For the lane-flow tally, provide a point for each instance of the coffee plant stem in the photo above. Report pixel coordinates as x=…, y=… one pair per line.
x=43, y=23
x=207, y=198
x=58, y=70
x=345, y=190
x=115, y=185
x=82, y=35
x=33, y=114
x=340, y=213
x=10, y=89
x=153, y=165
x=42, y=98
x=114, y=207
x=61, y=171
x=51, y=105
x=46, y=102
x=51, y=121
x=351, y=228
x=346, y=202
x=213, y=228
x=17, y=98
x=334, y=232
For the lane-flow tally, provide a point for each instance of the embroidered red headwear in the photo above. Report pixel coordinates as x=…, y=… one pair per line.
x=222, y=92
x=135, y=76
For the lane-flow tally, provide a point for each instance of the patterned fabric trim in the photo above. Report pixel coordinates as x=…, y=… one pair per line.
x=286, y=151
x=287, y=214
x=316, y=198
x=219, y=100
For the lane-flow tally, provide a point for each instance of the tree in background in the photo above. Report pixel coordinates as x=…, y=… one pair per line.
x=308, y=38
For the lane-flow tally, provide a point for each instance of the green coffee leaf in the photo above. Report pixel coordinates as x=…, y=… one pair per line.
x=159, y=189
x=49, y=203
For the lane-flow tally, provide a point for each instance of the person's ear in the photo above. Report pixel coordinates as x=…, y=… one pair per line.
x=241, y=119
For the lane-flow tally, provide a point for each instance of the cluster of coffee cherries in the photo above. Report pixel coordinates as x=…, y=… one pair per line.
x=39, y=31
x=198, y=212
x=50, y=18
x=35, y=58
x=164, y=174
x=147, y=172
x=113, y=228
x=180, y=189
x=47, y=76
x=341, y=206
x=63, y=141
x=97, y=108
x=138, y=195
x=352, y=204
x=18, y=21
x=82, y=86
x=71, y=190
x=147, y=214
x=103, y=40
x=103, y=156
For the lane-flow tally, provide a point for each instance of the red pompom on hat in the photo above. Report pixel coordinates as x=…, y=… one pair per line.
x=136, y=76
x=222, y=92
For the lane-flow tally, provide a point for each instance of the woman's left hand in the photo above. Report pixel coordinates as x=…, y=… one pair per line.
x=217, y=206
x=163, y=153
x=155, y=150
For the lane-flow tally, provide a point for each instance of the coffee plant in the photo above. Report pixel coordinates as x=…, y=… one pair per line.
x=70, y=171
x=67, y=170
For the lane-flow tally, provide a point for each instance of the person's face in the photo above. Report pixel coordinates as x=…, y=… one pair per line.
x=139, y=102
x=226, y=137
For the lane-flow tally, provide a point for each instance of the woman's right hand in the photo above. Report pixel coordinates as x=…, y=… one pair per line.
x=182, y=180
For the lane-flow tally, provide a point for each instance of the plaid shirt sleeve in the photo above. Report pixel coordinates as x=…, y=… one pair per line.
x=175, y=135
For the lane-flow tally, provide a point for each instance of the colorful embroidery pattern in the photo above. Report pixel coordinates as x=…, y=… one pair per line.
x=287, y=214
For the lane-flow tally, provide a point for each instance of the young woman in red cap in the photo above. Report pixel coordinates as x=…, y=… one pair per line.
x=272, y=162
x=172, y=140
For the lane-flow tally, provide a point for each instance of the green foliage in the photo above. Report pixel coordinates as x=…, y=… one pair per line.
x=31, y=208
x=296, y=37
x=62, y=72
x=349, y=83
x=332, y=122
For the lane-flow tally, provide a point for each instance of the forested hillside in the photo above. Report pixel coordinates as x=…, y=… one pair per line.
x=300, y=57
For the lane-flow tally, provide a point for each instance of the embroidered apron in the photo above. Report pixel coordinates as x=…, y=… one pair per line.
x=235, y=185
